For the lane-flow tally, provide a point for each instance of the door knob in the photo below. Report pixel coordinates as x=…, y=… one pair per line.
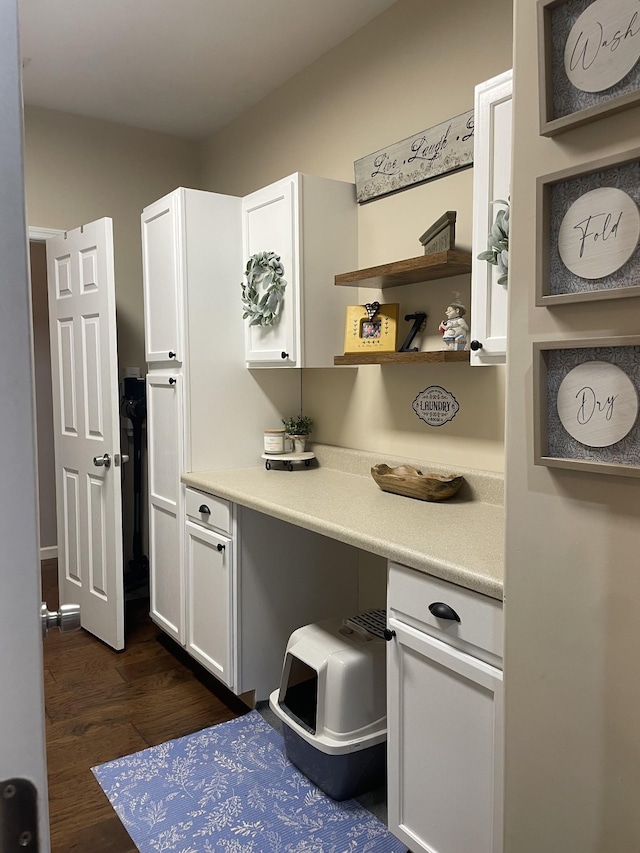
x=67, y=618
x=475, y=345
x=102, y=461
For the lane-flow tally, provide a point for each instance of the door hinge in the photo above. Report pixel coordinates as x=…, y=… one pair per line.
x=18, y=816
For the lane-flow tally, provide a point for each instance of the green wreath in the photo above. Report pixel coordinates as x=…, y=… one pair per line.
x=264, y=272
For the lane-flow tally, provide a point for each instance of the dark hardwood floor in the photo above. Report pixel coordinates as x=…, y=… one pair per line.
x=102, y=704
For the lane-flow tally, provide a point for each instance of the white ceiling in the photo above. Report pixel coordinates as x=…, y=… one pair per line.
x=185, y=67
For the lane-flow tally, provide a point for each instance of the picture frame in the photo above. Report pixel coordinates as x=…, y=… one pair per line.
x=573, y=202
x=586, y=405
x=366, y=331
x=586, y=53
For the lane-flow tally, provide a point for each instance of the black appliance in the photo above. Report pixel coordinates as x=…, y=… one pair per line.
x=134, y=406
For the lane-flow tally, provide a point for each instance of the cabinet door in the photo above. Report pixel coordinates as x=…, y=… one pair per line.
x=444, y=746
x=165, y=465
x=270, y=224
x=491, y=181
x=209, y=600
x=163, y=280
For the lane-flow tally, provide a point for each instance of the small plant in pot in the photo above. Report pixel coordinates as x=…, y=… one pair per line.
x=298, y=429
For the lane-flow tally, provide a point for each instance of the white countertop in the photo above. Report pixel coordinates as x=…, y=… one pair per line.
x=460, y=540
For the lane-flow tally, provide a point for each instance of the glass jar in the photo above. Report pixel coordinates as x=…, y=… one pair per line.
x=274, y=441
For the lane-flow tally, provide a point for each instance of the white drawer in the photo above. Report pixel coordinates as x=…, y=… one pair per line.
x=208, y=510
x=480, y=629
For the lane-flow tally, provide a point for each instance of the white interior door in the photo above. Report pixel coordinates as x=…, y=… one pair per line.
x=84, y=369
x=22, y=749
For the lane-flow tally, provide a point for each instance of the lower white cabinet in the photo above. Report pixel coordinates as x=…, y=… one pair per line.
x=445, y=716
x=250, y=581
x=209, y=611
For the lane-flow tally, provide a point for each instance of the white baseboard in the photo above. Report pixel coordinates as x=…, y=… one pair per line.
x=49, y=553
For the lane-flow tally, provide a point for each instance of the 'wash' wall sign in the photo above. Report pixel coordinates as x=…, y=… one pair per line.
x=436, y=406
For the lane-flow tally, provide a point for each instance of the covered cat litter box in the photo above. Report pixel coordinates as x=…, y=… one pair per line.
x=332, y=703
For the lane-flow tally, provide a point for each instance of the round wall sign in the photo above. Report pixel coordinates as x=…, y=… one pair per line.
x=603, y=45
x=597, y=403
x=599, y=232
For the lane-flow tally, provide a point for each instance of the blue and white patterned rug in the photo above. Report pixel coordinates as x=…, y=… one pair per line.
x=231, y=789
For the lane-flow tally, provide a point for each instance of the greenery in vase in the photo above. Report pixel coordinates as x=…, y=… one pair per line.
x=497, y=252
x=298, y=425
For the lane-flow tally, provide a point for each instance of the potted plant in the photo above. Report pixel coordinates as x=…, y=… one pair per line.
x=298, y=429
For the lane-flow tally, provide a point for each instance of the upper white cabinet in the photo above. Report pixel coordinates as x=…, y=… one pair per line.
x=491, y=181
x=162, y=253
x=311, y=223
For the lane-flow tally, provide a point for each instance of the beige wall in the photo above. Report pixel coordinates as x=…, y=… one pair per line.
x=413, y=67
x=573, y=538
x=78, y=170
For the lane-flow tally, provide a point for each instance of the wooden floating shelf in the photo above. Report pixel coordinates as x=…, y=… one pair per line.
x=431, y=357
x=410, y=271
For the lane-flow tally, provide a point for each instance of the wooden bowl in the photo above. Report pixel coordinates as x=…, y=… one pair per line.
x=412, y=483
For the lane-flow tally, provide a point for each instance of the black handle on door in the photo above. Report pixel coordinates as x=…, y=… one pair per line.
x=172, y=355
x=284, y=354
x=172, y=381
x=443, y=611
x=220, y=547
x=204, y=509
x=475, y=345
x=388, y=634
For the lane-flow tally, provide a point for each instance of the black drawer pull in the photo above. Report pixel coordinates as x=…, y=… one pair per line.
x=284, y=354
x=172, y=354
x=475, y=345
x=388, y=634
x=443, y=611
x=172, y=381
x=204, y=509
x=220, y=547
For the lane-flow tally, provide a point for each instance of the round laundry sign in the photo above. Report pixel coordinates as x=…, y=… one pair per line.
x=597, y=403
x=603, y=45
x=435, y=406
x=599, y=232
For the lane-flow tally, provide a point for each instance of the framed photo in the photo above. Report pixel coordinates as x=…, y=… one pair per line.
x=371, y=328
x=588, y=60
x=586, y=402
x=588, y=231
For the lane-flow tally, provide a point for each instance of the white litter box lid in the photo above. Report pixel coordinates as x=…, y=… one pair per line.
x=347, y=661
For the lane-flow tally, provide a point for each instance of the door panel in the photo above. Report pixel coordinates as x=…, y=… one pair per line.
x=161, y=258
x=22, y=745
x=86, y=418
x=270, y=224
x=209, y=562
x=165, y=457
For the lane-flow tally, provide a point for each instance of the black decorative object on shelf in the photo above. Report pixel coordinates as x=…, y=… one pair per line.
x=419, y=320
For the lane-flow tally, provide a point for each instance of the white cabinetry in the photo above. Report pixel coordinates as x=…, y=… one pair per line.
x=163, y=283
x=445, y=716
x=165, y=455
x=209, y=584
x=251, y=580
x=204, y=410
x=491, y=181
x=311, y=223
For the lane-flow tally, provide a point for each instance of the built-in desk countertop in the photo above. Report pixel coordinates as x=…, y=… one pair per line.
x=460, y=540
